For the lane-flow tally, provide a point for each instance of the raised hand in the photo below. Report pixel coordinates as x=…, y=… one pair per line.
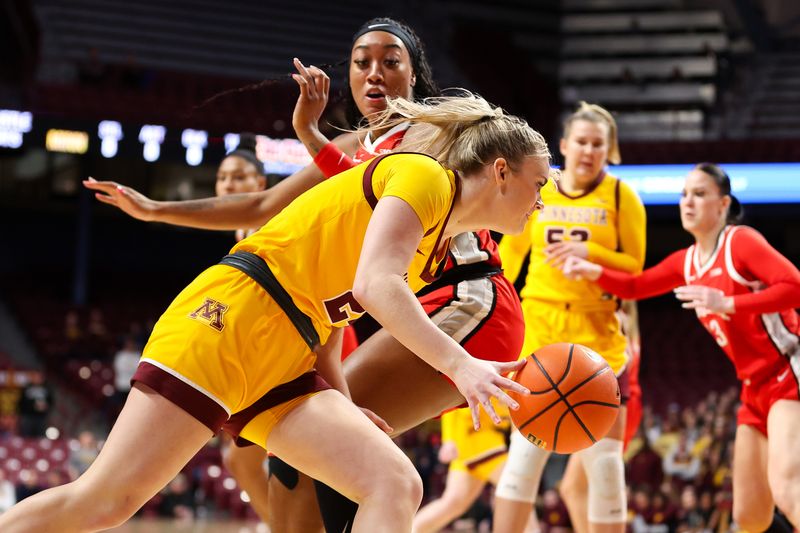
x=479, y=381
x=314, y=86
x=123, y=197
x=578, y=268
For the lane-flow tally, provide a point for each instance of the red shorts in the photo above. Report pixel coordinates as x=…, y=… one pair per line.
x=483, y=315
x=758, y=398
x=634, y=415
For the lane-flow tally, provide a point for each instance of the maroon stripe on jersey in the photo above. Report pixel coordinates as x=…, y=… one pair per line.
x=475, y=464
x=596, y=183
x=300, y=386
x=366, y=184
x=191, y=400
x=426, y=275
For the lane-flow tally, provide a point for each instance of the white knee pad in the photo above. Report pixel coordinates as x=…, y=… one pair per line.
x=606, y=474
x=522, y=471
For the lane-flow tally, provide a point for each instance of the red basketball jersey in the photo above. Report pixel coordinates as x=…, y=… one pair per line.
x=760, y=345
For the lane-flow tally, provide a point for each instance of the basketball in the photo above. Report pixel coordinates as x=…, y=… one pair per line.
x=574, y=398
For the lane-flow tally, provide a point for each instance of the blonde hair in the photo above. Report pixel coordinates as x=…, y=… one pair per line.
x=467, y=132
x=598, y=115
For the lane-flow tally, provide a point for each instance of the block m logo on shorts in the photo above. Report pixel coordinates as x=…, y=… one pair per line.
x=210, y=313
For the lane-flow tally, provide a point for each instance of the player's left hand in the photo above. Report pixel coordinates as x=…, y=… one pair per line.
x=556, y=253
x=709, y=298
x=378, y=421
x=314, y=86
x=479, y=381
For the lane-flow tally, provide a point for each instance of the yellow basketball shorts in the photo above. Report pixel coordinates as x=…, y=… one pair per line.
x=549, y=323
x=225, y=352
x=480, y=452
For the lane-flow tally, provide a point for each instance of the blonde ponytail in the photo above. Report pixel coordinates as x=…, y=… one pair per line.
x=467, y=133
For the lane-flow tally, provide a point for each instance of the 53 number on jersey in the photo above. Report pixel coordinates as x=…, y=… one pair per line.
x=554, y=234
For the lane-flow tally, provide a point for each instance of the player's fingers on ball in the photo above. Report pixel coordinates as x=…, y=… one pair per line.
x=506, y=399
x=505, y=368
x=510, y=384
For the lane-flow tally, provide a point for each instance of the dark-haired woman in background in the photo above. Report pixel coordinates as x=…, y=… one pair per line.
x=745, y=294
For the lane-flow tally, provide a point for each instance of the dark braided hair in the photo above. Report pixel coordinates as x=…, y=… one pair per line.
x=423, y=88
x=720, y=177
x=247, y=150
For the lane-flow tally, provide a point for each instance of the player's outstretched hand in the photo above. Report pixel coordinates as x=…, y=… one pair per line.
x=314, y=86
x=556, y=253
x=578, y=268
x=702, y=297
x=479, y=381
x=125, y=198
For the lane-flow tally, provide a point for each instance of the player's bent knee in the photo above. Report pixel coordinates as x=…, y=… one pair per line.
x=606, y=474
x=522, y=471
x=397, y=481
x=787, y=498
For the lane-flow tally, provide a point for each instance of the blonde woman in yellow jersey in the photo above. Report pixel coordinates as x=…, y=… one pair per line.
x=236, y=347
x=591, y=214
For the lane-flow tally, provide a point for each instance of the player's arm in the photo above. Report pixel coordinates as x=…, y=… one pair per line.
x=390, y=243
x=632, y=227
x=329, y=366
x=329, y=362
x=656, y=280
x=249, y=210
x=757, y=261
x=514, y=249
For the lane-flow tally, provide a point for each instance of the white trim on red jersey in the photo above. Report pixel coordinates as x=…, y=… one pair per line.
x=373, y=146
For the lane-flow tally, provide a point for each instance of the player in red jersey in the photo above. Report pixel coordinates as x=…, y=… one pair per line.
x=745, y=294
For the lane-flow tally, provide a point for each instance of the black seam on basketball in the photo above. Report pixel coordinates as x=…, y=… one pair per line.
x=561, y=419
x=562, y=396
x=554, y=402
x=595, y=402
x=590, y=378
x=569, y=364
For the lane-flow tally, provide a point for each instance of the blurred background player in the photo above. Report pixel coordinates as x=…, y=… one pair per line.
x=476, y=457
x=589, y=213
x=745, y=294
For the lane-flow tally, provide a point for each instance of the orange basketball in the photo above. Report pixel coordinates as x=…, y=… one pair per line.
x=574, y=398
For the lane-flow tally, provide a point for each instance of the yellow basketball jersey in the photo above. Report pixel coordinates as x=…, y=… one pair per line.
x=591, y=217
x=313, y=246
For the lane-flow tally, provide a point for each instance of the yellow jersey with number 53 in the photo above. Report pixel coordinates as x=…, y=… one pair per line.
x=313, y=246
x=608, y=217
